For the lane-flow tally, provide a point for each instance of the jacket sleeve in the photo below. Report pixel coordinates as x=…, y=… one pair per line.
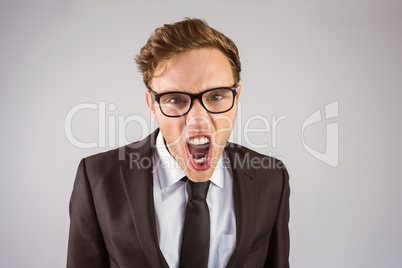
x=86, y=247
x=278, y=253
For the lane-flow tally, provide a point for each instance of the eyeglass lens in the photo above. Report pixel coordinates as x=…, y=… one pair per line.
x=216, y=101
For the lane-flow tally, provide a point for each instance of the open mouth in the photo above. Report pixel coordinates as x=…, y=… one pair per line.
x=199, y=151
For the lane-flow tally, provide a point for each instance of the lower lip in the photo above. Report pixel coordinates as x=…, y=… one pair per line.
x=207, y=163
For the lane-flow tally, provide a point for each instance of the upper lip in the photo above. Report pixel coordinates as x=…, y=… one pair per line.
x=199, y=135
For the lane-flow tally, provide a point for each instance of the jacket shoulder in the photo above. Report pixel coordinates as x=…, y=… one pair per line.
x=252, y=159
x=104, y=161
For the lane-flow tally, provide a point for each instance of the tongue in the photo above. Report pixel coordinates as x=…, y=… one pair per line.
x=198, y=151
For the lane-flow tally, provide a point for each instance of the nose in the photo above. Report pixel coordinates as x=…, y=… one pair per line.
x=198, y=117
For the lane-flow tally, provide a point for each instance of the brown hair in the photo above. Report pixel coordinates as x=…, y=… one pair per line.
x=171, y=39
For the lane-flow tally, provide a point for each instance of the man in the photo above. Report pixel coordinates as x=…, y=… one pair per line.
x=184, y=196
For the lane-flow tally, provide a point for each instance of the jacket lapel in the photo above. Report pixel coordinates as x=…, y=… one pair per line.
x=137, y=178
x=245, y=201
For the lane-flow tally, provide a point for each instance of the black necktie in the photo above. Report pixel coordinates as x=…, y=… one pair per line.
x=195, y=243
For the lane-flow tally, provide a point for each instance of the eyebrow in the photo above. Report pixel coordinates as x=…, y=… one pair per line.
x=178, y=91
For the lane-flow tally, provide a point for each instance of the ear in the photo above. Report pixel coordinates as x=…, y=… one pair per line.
x=238, y=91
x=150, y=103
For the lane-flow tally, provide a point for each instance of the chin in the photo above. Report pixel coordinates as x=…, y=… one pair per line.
x=199, y=176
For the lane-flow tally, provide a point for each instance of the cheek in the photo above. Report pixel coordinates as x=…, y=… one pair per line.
x=171, y=128
x=224, y=123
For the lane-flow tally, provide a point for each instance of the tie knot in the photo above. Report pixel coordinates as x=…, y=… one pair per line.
x=197, y=190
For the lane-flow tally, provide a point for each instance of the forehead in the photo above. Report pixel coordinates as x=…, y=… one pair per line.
x=193, y=71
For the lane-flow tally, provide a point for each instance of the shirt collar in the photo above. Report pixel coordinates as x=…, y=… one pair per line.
x=218, y=176
x=170, y=172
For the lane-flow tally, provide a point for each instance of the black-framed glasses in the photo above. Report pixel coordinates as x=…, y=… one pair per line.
x=216, y=100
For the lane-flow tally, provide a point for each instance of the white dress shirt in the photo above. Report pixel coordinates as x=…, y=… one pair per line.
x=170, y=199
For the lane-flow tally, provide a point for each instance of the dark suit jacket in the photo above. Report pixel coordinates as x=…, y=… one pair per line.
x=113, y=218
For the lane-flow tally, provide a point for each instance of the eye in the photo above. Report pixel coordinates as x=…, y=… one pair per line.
x=175, y=100
x=216, y=97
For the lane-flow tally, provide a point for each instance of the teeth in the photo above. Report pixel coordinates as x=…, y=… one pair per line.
x=198, y=141
x=199, y=161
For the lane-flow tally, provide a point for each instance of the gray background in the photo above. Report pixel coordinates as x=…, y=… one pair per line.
x=297, y=56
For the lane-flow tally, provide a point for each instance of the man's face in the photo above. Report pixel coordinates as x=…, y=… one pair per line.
x=195, y=71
